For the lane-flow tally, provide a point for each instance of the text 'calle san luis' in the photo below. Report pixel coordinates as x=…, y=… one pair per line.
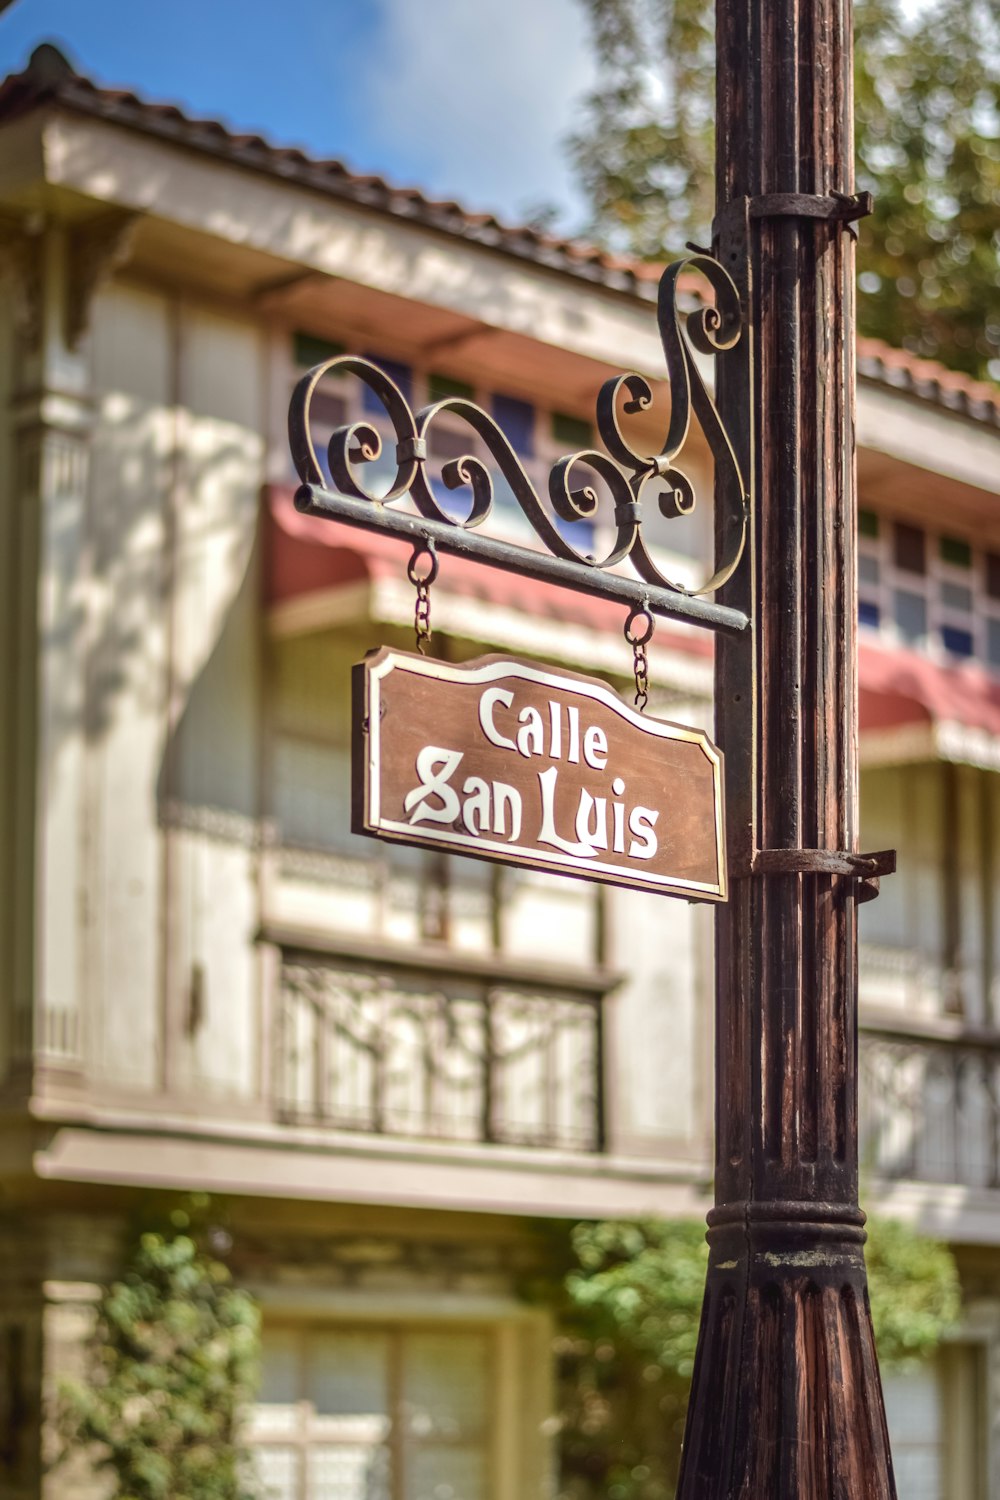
x=511, y=761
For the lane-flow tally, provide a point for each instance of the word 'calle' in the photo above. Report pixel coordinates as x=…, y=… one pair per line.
x=496, y=807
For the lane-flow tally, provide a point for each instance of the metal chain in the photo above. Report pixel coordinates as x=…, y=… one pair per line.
x=422, y=584
x=638, y=640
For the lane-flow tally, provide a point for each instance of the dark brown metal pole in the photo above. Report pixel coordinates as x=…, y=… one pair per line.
x=786, y=1402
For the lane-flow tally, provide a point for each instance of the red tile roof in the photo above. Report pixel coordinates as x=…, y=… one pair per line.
x=928, y=380
x=49, y=77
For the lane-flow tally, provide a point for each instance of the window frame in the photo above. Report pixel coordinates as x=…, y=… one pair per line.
x=939, y=573
x=502, y=1419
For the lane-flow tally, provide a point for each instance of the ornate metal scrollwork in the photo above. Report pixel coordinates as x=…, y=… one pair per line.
x=633, y=478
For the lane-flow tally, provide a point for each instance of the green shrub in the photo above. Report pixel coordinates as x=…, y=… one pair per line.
x=170, y=1367
x=631, y=1304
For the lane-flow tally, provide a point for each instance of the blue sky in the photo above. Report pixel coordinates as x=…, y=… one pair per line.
x=465, y=98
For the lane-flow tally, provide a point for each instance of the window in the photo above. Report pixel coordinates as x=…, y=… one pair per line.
x=913, y=1412
x=956, y=641
x=399, y=374
x=517, y=418
x=993, y=642
x=910, y=553
x=936, y=1427
x=927, y=590
x=308, y=350
x=955, y=552
x=571, y=432
x=910, y=614
x=445, y=388
x=384, y=1412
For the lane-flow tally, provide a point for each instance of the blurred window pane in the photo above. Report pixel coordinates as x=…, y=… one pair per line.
x=993, y=642
x=956, y=552
x=910, y=611
x=909, y=548
x=868, y=569
x=956, y=596
x=400, y=374
x=958, y=642
x=441, y=387
x=308, y=350
x=517, y=419
x=571, y=432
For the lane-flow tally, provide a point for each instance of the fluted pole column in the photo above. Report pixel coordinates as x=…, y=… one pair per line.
x=786, y=1401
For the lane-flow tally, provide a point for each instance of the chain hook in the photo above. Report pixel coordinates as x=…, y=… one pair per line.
x=638, y=639
x=422, y=584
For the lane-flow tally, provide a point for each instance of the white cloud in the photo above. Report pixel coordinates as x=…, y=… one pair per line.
x=478, y=95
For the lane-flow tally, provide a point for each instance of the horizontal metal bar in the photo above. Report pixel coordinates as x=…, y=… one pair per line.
x=456, y=540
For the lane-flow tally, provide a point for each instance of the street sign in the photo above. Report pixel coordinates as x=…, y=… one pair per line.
x=511, y=761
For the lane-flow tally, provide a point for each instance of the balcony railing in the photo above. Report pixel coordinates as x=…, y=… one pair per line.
x=459, y=1058
x=930, y=1105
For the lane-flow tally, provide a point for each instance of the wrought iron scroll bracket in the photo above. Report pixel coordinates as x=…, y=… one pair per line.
x=864, y=868
x=632, y=478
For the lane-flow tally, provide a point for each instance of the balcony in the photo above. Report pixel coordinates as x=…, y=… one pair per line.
x=930, y=1102
x=449, y=1049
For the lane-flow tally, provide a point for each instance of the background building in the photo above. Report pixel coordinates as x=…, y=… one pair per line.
x=398, y=1066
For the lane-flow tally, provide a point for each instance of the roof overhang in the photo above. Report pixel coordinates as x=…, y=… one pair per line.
x=922, y=462
x=284, y=240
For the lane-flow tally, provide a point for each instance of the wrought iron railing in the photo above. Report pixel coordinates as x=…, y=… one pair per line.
x=930, y=1106
x=450, y=1059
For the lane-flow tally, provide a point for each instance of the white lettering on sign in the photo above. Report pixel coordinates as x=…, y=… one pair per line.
x=563, y=728
x=434, y=783
x=519, y=763
x=491, y=697
x=496, y=808
x=488, y=806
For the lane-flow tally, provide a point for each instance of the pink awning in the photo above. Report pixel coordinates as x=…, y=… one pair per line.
x=910, y=706
x=304, y=554
x=899, y=687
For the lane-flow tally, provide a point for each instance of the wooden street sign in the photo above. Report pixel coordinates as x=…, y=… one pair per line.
x=510, y=761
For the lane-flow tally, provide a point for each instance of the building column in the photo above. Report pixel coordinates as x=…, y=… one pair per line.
x=52, y=272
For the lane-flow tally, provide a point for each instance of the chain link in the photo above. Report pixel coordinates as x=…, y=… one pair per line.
x=638, y=639
x=422, y=584
x=422, y=616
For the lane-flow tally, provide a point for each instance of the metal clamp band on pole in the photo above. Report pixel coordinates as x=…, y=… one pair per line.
x=864, y=868
x=833, y=207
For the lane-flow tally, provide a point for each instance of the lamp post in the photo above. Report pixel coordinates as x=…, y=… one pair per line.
x=786, y=1401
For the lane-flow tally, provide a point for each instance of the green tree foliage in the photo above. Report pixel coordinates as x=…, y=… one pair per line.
x=645, y=153
x=927, y=86
x=915, y=1293
x=172, y=1362
x=631, y=1328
